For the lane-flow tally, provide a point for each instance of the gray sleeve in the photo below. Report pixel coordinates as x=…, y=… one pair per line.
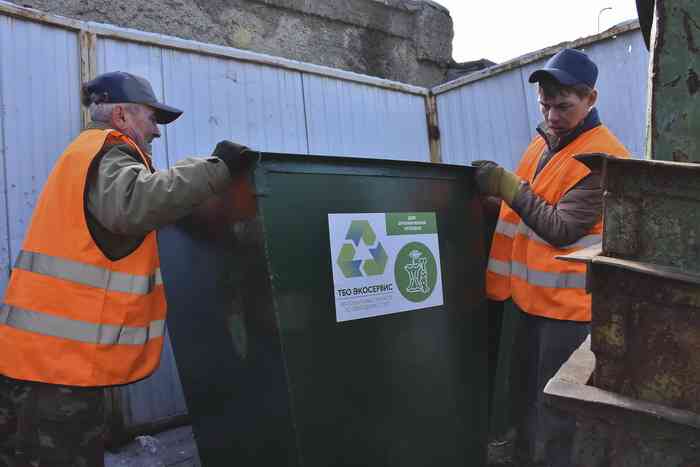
x=127, y=199
x=575, y=214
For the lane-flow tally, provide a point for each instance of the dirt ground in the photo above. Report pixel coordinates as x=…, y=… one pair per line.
x=177, y=448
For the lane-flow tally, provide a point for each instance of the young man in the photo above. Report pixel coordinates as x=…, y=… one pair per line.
x=551, y=206
x=85, y=307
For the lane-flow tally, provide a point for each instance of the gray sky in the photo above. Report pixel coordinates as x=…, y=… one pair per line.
x=503, y=29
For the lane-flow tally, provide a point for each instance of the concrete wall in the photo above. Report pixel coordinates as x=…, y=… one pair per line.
x=403, y=40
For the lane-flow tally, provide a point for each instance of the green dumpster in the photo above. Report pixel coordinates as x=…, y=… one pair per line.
x=504, y=345
x=505, y=401
x=332, y=313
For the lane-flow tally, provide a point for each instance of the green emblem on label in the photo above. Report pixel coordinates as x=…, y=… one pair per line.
x=351, y=267
x=415, y=272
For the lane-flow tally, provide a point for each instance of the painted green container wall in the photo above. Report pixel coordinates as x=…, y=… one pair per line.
x=296, y=387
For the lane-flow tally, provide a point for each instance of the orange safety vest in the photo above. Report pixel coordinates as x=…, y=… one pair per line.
x=71, y=316
x=524, y=266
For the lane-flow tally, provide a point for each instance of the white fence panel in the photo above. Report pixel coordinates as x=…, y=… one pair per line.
x=482, y=121
x=40, y=114
x=354, y=119
x=256, y=105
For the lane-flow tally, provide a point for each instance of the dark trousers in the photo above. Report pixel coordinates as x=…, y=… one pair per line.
x=49, y=425
x=542, y=346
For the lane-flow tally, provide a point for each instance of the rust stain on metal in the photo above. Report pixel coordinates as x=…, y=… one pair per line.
x=431, y=114
x=662, y=383
x=434, y=132
x=642, y=336
x=614, y=332
x=660, y=39
x=692, y=81
x=646, y=300
x=688, y=24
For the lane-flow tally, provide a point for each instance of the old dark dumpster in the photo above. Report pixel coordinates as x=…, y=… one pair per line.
x=331, y=312
x=635, y=398
x=645, y=282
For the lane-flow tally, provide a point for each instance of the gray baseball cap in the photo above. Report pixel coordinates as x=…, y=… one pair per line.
x=118, y=87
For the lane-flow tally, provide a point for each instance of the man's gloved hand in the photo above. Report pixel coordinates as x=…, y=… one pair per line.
x=235, y=156
x=494, y=180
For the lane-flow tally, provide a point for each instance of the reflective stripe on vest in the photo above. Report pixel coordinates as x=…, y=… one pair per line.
x=499, y=267
x=87, y=274
x=509, y=229
x=583, y=242
x=498, y=284
x=549, y=279
x=506, y=228
x=55, y=326
x=538, y=278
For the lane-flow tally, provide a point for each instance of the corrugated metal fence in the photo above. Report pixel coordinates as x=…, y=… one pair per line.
x=494, y=114
x=268, y=103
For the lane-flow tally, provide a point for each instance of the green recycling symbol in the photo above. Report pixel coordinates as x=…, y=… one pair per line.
x=361, y=230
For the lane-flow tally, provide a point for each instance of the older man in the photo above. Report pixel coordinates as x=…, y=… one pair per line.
x=85, y=307
x=551, y=206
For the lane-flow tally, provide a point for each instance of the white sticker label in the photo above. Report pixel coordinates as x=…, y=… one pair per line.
x=384, y=263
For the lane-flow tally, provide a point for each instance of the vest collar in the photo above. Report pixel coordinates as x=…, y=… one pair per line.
x=104, y=126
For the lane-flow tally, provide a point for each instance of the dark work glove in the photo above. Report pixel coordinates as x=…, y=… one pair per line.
x=235, y=156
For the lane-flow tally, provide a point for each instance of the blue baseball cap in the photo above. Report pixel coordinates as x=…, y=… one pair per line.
x=568, y=67
x=119, y=87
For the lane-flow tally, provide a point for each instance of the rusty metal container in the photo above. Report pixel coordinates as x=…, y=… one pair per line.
x=645, y=282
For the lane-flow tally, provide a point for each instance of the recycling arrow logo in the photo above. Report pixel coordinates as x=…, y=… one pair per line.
x=361, y=230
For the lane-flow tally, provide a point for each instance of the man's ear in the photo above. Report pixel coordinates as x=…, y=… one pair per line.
x=592, y=98
x=119, y=117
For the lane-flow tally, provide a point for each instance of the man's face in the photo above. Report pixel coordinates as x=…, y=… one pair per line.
x=564, y=112
x=139, y=123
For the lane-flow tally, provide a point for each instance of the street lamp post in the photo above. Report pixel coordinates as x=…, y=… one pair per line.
x=600, y=13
